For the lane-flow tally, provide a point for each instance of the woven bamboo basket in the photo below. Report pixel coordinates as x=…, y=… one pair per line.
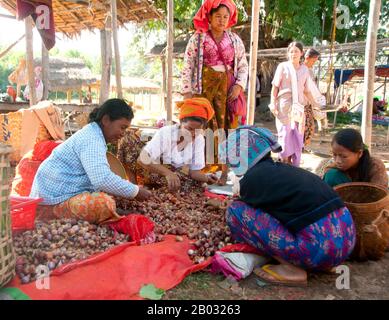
x=116, y=166
x=369, y=206
x=7, y=254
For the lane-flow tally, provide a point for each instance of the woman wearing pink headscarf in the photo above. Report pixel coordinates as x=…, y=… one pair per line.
x=215, y=66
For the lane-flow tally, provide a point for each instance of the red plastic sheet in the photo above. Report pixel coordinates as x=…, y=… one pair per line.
x=119, y=273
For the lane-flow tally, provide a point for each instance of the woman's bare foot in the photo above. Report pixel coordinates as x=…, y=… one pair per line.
x=283, y=274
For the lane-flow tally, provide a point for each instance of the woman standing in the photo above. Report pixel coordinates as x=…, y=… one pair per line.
x=215, y=66
x=291, y=84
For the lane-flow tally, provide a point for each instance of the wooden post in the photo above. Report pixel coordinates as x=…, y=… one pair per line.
x=30, y=60
x=69, y=96
x=370, y=56
x=164, y=82
x=253, y=62
x=169, y=61
x=118, y=68
x=80, y=95
x=106, y=61
x=45, y=72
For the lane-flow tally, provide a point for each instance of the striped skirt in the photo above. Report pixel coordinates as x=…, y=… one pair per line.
x=320, y=246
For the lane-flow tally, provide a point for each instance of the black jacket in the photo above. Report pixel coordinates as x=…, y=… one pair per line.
x=294, y=196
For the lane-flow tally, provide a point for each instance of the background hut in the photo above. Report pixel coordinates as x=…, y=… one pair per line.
x=71, y=17
x=68, y=75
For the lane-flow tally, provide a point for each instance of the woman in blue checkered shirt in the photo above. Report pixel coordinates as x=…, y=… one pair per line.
x=76, y=180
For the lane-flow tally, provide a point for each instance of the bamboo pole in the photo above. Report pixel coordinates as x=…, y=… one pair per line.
x=164, y=83
x=45, y=71
x=30, y=60
x=253, y=61
x=331, y=65
x=169, y=60
x=8, y=16
x=106, y=61
x=369, y=76
x=118, y=69
x=3, y=53
x=321, y=43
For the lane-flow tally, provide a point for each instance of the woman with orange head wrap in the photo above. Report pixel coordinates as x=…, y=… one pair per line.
x=177, y=147
x=215, y=65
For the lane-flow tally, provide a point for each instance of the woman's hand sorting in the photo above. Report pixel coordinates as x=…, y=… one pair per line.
x=143, y=194
x=173, y=181
x=212, y=179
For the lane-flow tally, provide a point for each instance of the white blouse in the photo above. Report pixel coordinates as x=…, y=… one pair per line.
x=162, y=149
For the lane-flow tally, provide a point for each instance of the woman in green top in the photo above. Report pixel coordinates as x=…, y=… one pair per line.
x=352, y=161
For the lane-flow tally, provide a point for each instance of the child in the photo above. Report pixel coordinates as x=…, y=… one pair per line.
x=352, y=161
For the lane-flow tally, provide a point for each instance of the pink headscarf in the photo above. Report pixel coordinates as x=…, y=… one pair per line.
x=201, y=19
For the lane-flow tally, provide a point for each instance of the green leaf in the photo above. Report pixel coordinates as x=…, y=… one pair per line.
x=13, y=294
x=149, y=291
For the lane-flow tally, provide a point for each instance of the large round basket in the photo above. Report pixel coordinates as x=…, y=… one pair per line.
x=7, y=254
x=116, y=166
x=369, y=206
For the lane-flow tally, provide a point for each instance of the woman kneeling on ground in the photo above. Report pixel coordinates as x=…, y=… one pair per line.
x=175, y=152
x=352, y=161
x=285, y=212
x=75, y=181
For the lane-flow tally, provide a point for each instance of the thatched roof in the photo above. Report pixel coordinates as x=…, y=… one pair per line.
x=132, y=84
x=68, y=74
x=72, y=16
x=178, y=49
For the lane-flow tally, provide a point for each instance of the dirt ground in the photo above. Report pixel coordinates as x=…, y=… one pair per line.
x=368, y=280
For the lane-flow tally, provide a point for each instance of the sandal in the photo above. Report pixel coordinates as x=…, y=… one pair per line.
x=278, y=279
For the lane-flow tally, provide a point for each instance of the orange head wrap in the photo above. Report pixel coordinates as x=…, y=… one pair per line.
x=195, y=107
x=201, y=19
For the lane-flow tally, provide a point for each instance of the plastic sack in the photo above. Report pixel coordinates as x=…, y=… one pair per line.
x=239, y=265
x=138, y=227
x=28, y=166
x=25, y=173
x=42, y=150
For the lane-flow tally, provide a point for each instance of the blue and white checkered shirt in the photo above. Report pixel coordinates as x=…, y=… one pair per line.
x=79, y=165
